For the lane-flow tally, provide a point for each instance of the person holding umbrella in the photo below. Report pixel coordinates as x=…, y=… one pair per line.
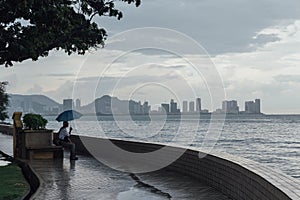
x=64, y=134
x=65, y=141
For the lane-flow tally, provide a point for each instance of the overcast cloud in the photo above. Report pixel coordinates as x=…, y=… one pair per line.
x=254, y=45
x=220, y=26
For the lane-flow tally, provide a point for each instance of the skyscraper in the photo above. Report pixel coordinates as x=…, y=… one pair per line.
x=67, y=104
x=198, y=105
x=192, y=106
x=78, y=103
x=252, y=107
x=184, y=106
x=103, y=105
x=230, y=107
x=146, y=108
x=257, y=106
x=173, y=106
x=165, y=107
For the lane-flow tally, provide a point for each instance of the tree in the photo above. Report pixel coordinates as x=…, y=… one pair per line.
x=34, y=121
x=3, y=101
x=29, y=29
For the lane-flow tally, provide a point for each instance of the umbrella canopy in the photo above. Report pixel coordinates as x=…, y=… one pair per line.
x=68, y=115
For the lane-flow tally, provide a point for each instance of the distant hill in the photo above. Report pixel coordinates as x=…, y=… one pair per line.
x=87, y=109
x=100, y=104
x=40, y=104
x=107, y=105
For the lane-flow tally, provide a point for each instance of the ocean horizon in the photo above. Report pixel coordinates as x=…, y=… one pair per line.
x=273, y=140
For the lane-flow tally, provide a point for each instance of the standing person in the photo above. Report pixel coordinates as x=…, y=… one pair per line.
x=64, y=137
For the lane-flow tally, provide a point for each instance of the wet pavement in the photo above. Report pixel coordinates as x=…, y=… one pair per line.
x=6, y=144
x=3, y=161
x=89, y=179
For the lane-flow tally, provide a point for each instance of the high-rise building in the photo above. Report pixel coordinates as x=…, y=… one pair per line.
x=67, y=104
x=173, y=106
x=230, y=107
x=184, y=106
x=252, y=107
x=138, y=108
x=78, y=103
x=249, y=107
x=107, y=105
x=257, y=106
x=146, y=108
x=103, y=105
x=165, y=107
x=198, y=105
x=133, y=107
x=192, y=106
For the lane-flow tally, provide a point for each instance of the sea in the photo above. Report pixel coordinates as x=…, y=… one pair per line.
x=273, y=140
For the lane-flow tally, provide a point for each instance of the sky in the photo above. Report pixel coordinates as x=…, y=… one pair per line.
x=181, y=49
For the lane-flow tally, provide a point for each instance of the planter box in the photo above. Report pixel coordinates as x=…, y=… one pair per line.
x=37, y=138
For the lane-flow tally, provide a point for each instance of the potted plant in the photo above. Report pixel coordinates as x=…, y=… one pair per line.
x=34, y=122
x=35, y=131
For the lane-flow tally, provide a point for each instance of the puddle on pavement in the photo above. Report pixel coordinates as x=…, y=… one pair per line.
x=3, y=161
x=138, y=194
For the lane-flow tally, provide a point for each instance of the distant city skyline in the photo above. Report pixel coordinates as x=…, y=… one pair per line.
x=109, y=105
x=228, y=106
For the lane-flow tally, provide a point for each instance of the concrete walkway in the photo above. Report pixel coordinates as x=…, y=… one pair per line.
x=89, y=179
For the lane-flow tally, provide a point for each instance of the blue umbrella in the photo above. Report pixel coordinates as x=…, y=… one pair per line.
x=68, y=115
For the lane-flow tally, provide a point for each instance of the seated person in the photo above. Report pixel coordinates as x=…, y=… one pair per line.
x=64, y=137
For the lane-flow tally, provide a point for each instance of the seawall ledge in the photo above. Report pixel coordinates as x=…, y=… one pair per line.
x=236, y=177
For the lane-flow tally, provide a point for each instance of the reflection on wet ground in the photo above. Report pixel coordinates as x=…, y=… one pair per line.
x=89, y=179
x=6, y=144
x=3, y=161
x=7, y=147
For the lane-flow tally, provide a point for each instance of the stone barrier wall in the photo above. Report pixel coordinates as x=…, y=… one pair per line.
x=237, y=178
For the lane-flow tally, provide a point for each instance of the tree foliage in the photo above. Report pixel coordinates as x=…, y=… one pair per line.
x=29, y=29
x=34, y=121
x=3, y=101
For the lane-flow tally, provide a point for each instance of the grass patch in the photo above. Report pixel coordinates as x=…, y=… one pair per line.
x=12, y=183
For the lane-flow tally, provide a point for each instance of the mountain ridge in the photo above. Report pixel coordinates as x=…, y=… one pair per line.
x=36, y=103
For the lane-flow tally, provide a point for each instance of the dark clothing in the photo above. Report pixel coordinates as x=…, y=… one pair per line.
x=71, y=147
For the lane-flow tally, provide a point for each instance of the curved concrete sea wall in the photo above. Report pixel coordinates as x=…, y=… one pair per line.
x=237, y=178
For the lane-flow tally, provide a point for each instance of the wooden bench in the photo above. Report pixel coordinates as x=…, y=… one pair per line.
x=45, y=152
